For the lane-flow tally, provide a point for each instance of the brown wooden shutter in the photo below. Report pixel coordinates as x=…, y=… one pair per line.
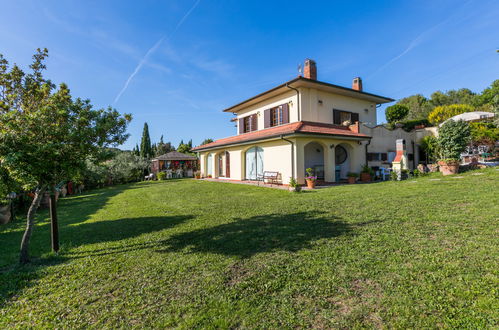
x=266, y=118
x=227, y=164
x=336, y=117
x=285, y=113
x=354, y=117
x=254, y=122
x=241, y=125
x=384, y=156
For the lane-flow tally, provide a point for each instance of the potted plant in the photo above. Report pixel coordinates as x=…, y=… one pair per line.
x=310, y=178
x=293, y=185
x=453, y=137
x=366, y=174
x=352, y=177
x=197, y=174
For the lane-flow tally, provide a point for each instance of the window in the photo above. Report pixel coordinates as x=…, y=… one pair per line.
x=377, y=156
x=341, y=117
x=345, y=116
x=340, y=154
x=247, y=124
x=276, y=118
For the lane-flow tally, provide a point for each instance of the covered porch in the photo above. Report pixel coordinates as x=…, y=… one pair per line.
x=330, y=159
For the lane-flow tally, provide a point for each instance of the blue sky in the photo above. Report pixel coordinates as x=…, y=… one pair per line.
x=185, y=61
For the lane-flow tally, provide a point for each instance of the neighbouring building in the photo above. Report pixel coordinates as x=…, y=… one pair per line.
x=305, y=123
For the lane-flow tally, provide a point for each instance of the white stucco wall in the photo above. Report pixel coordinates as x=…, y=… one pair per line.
x=312, y=110
x=288, y=97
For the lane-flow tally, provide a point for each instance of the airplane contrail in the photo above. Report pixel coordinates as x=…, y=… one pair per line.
x=152, y=50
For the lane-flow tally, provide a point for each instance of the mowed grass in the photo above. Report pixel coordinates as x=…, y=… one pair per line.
x=420, y=253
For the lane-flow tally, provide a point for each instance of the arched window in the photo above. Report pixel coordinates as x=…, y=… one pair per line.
x=254, y=163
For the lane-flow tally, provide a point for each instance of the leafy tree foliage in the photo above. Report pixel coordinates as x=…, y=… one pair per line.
x=430, y=147
x=460, y=96
x=444, y=112
x=396, y=113
x=45, y=134
x=484, y=133
x=145, y=144
x=206, y=141
x=185, y=147
x=419, y=106
x=453, y=137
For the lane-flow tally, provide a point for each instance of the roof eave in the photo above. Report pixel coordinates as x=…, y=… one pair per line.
x=373, y=97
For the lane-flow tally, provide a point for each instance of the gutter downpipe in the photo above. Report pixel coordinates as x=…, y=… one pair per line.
x=367, y=144
x=292, y=155
x=298, y=98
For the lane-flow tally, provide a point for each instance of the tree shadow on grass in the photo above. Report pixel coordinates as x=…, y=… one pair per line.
x=266, y=233
x=15, y=279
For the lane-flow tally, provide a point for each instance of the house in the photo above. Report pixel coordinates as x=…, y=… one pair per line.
x=303, y=123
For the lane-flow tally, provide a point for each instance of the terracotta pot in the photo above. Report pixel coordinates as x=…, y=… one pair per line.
x=311, y=184
x=352, y=179
x=449, y=168
x=5, y=215
x=365, y=177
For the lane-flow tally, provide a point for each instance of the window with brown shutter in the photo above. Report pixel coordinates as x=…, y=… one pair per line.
x=285, y=113
x=254, y=122
x=266, y=118
x=241, y=125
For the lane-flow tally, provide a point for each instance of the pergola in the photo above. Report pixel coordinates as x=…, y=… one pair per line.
x=174, y=161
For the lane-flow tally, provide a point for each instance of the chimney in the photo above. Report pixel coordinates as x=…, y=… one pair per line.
x=310, y=70
x=357, y=84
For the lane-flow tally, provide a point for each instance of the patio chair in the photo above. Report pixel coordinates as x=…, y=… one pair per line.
x=385, y=173
x=179, y=173
x=169, y=174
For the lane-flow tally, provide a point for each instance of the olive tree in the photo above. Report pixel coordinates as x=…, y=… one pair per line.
x=46, y=135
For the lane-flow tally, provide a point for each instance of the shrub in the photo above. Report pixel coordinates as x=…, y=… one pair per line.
x=453, y=137
x=294, y=184
x=367, y=169
x=161, y=176
x=444, y=112
x=409, y=125
x=396, y=112
x=352, y=175
x=429, y=145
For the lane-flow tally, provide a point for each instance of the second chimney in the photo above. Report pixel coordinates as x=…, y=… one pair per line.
x=310, y=69
x=357, y=84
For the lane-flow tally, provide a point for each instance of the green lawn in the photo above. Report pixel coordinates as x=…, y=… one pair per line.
x=419, y=253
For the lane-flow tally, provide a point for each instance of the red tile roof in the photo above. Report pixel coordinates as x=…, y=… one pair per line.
x=304, y=127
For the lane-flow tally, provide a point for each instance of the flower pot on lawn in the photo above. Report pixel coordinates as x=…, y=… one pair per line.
x=352, y=180
x=449, y=167
x=365, y=177
x=311, y=184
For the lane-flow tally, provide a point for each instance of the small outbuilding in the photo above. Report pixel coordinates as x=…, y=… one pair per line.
x=175, y=164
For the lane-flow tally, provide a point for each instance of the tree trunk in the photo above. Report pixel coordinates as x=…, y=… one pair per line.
x=30, y=223
x=54, y=227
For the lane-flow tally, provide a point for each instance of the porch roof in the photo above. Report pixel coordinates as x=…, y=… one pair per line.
x=300, y=127
x=175, y=155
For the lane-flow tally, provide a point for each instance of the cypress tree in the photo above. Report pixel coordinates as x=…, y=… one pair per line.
x=145, y=144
